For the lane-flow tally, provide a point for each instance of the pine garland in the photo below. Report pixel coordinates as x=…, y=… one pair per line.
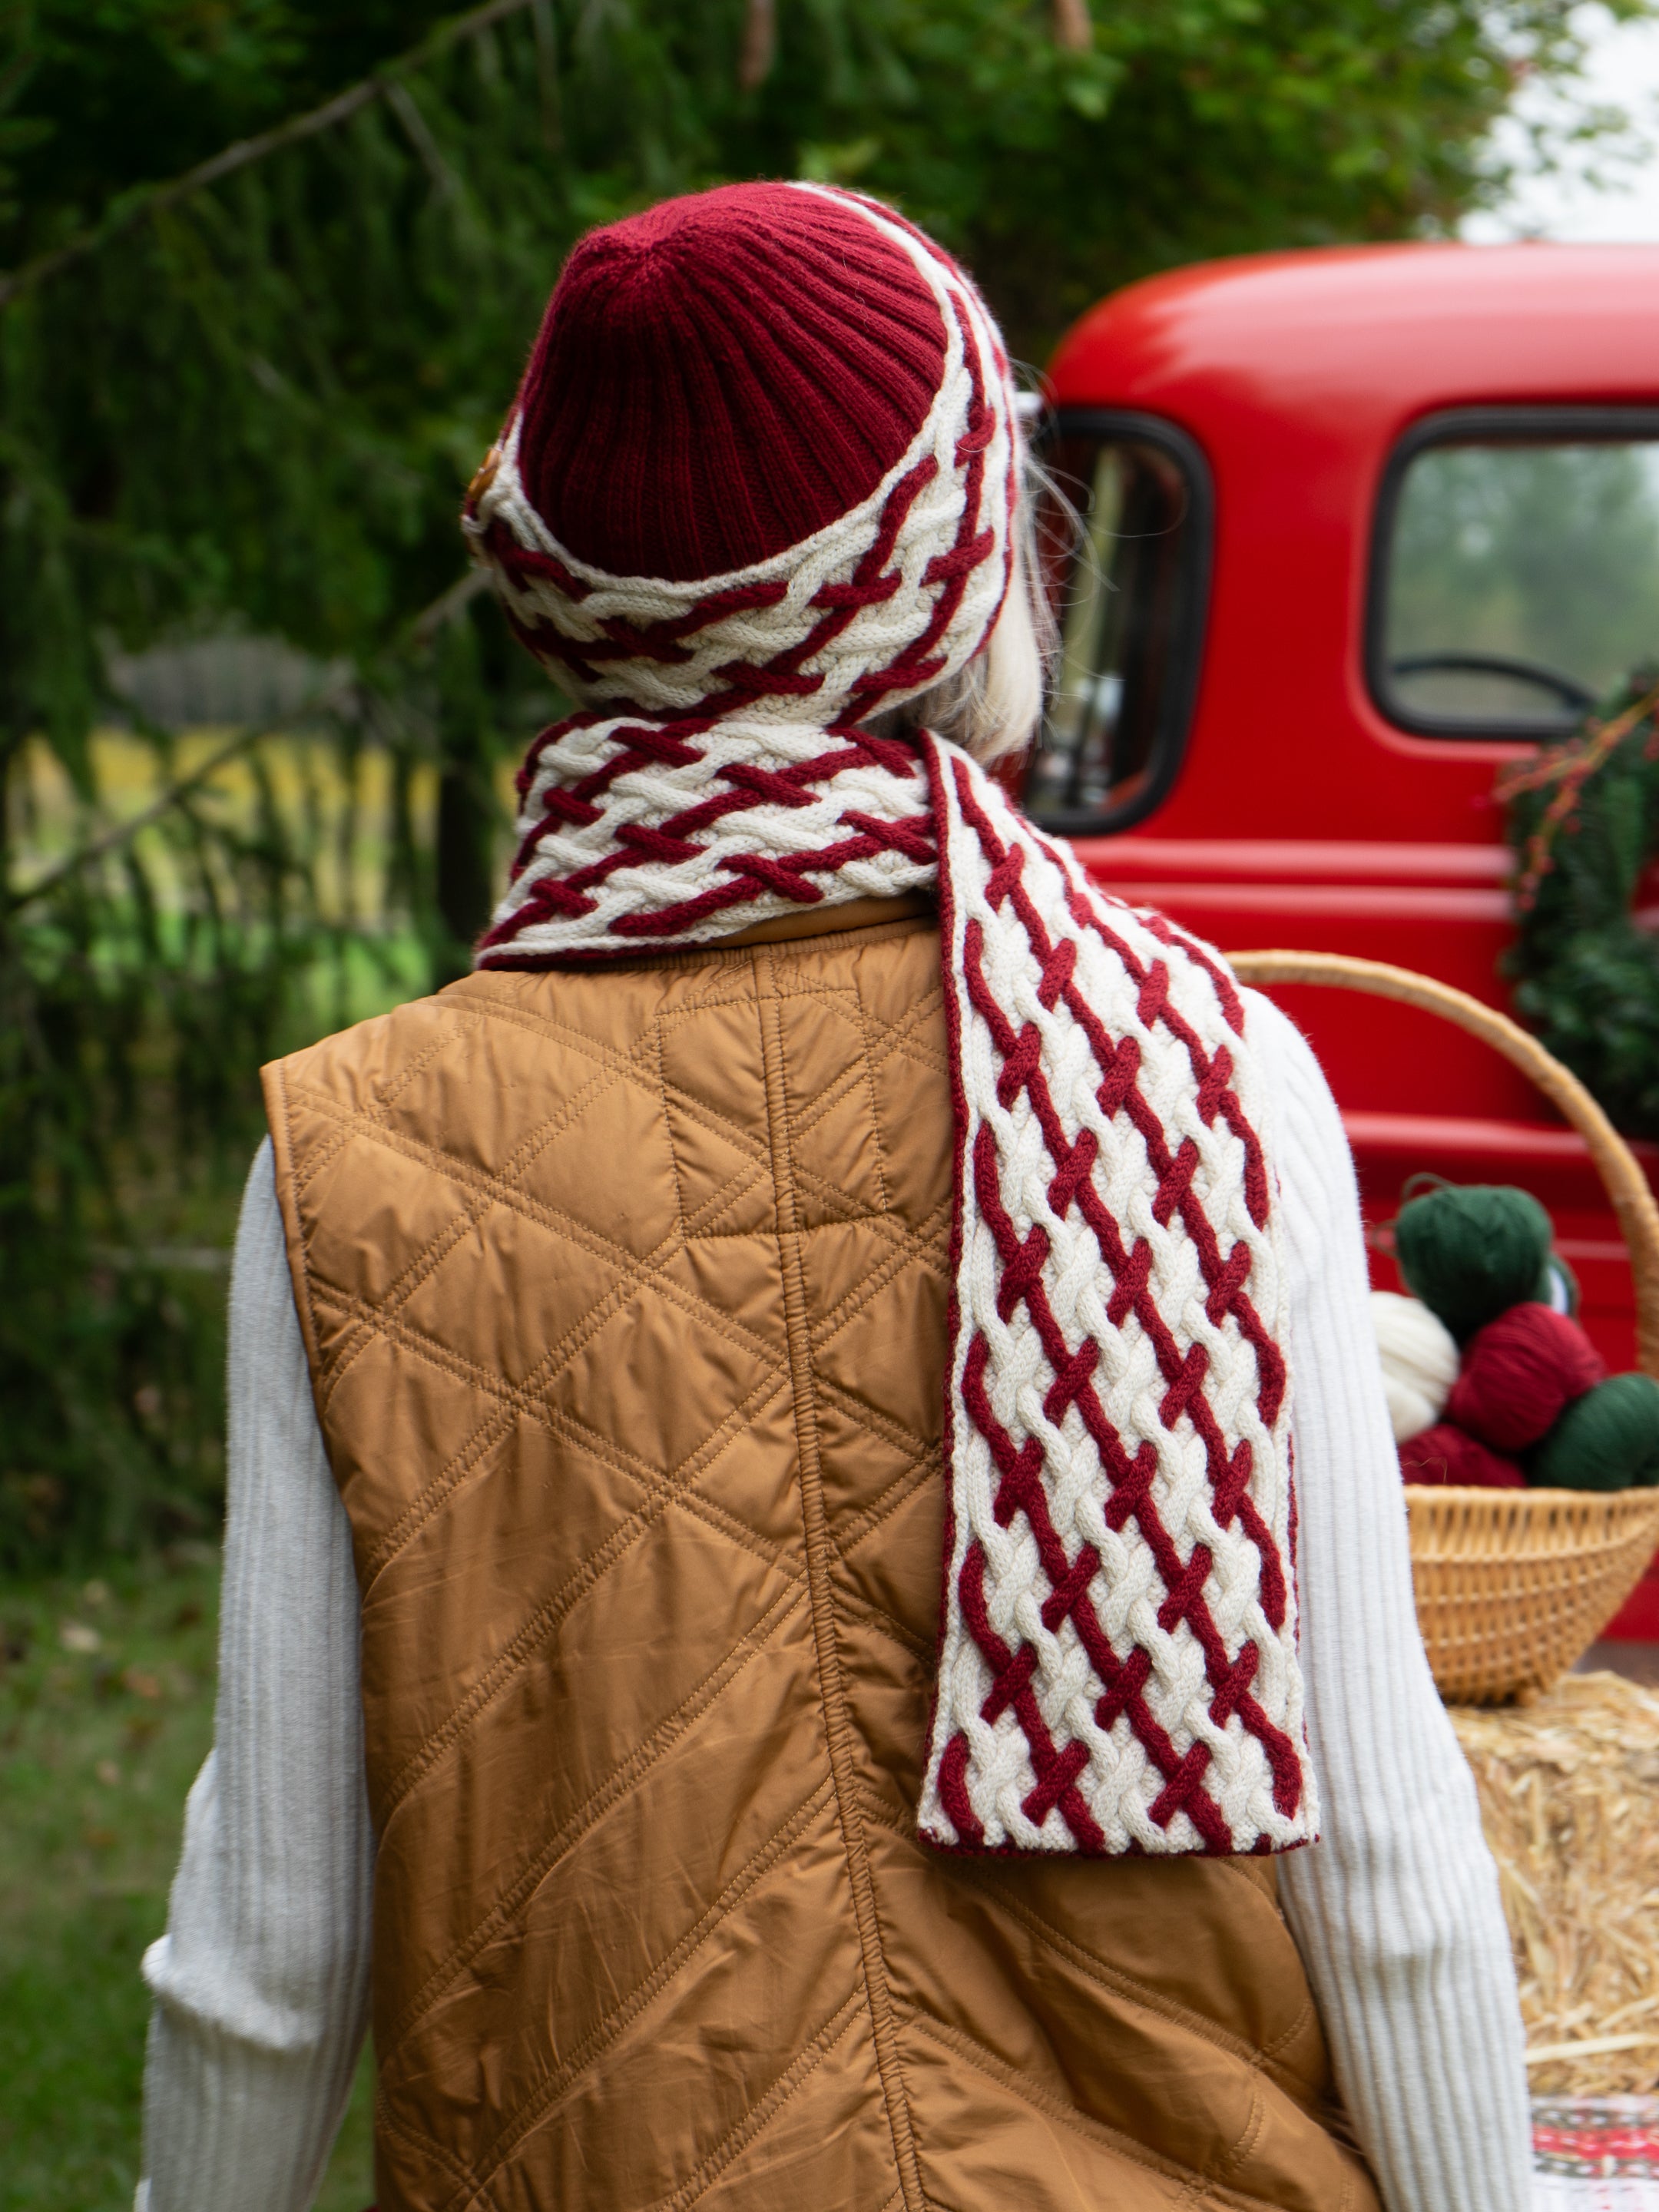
x=1584, y=819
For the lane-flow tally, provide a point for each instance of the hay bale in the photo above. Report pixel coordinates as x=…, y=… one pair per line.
x=1569, y=1790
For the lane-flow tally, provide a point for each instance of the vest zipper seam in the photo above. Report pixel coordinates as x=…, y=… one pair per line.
x=832, y=1690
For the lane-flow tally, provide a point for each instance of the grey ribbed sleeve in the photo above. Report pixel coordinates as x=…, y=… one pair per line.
x=261, y=1981
x=1395, y=1909
x=261, y=1978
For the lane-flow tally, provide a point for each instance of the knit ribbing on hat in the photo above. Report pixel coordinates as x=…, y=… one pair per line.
x=721, y=376
x=897, y=592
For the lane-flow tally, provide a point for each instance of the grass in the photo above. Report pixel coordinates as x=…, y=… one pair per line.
x=106, y=1714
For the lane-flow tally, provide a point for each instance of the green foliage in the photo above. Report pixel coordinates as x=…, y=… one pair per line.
x=1585, y=823
x=126, y=1037
x=246, y=403
x=111, y=94
x=98, y=1746
x=260, y=406
x=1211, y=127
x=105, y=1713
x=1546, y=553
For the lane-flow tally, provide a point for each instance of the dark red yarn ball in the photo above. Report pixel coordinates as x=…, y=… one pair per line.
x=1519, y=1373
x=719, y=378
x=1445, y=1456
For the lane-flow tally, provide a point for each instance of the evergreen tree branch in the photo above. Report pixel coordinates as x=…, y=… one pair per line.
x=156, y=199
x=418, y=637
x=447, y=607
x=123, y=833
x=759, y=49
x=1072, y=29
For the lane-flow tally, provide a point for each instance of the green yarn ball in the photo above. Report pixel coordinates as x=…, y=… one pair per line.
x=1470, y=1251
x=1609, y=1439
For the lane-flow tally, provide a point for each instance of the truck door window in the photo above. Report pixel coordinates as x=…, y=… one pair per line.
x=1518, y=571
x=1124, y=544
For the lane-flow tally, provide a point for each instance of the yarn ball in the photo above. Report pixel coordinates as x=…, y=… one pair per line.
x=1446, y=1454
x=1519, y=1372
x=1419, y=1362
x=1609, y=1439
x=1471, y=1251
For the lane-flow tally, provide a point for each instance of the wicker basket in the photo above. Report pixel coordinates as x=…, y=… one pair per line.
x=1513, y=1585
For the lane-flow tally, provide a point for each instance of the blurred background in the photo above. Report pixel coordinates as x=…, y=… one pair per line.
x=273, y=267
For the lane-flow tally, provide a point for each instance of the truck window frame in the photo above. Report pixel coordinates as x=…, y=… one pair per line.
x=1189, y=621
x=1528, y=424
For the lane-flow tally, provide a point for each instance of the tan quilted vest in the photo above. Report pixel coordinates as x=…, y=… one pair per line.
x=623, y=1292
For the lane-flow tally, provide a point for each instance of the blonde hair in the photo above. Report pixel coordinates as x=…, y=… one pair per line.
x=992, y=707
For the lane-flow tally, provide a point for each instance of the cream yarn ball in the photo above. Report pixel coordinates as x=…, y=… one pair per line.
x=1419, y=1362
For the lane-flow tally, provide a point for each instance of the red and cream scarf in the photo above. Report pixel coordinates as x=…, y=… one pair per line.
x=1118, y=1667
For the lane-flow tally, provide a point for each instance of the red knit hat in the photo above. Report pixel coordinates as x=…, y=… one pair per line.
x=721, y=377
x=763, y=460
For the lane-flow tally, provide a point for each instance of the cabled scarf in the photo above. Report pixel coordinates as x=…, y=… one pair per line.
x=1118, y=1668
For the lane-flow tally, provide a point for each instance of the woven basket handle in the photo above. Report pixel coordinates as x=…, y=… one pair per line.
x=1627, y=1186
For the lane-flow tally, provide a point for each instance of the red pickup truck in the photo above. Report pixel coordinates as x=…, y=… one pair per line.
x=1360, y=527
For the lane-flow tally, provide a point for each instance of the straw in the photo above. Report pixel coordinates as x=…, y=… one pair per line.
x=1569, y=1790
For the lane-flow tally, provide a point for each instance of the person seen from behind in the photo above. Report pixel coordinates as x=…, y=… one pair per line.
x=816, y=1608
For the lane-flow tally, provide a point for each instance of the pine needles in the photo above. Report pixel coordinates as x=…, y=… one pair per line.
x=243, y=405
x=1584, y=822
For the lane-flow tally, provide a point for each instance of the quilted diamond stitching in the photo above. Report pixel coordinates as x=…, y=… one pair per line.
x=628, y=1774
x=488, y=1186
x=520, y=2120
x=813, y=2054
x=535, y=1631
x=631, y=1267
x=908, y=1248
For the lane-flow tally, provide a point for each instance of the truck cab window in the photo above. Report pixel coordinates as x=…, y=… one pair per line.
x=1123, y=530
x=1517, y=576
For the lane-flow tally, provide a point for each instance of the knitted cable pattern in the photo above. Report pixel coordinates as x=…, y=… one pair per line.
x=635, y=834
x=1118, y=1664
